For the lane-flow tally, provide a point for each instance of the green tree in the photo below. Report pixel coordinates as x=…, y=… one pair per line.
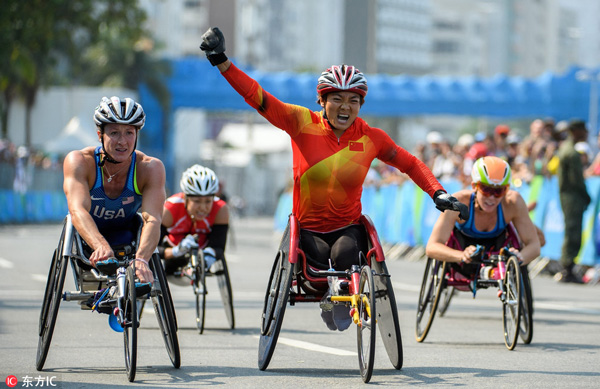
x=78, y=42
x=35, y=35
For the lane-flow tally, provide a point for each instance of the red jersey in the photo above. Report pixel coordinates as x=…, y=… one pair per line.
x=182, y=222
x=329, y=172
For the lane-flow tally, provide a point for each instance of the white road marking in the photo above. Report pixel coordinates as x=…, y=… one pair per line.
x=406, y=287
x=39, y=277
x=6, y=264
x=560, y=307
x=554, y=306
x=314, y=347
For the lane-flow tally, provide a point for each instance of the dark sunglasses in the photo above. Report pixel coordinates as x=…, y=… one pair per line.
x=496, y=191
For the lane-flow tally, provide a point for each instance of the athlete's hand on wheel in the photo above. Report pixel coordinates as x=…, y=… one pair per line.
x=213, y=45
x=142, y=271
x=444, y=201
x=188, y=243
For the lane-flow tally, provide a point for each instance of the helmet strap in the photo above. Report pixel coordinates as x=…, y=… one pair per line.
x=106, y=157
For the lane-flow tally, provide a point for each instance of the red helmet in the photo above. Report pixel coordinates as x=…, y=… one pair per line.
x=342, y=78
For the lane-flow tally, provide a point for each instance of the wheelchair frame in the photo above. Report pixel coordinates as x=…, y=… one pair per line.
x=198, y=281
x=121, y=292
x=292, y=280
x=441, y=281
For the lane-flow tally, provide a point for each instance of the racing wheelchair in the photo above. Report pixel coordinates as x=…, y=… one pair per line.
x=500, y=269
x=197, y=273
x=369, y=293
x=115, y=293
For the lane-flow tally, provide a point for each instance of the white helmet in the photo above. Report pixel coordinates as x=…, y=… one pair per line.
x=199, y=181
x=115, y=110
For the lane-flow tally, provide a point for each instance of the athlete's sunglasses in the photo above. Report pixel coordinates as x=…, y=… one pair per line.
x=496, y=191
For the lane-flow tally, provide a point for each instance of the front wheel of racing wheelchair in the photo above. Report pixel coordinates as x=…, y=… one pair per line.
x=288, y=275
x=200, y=275
x=112, y=294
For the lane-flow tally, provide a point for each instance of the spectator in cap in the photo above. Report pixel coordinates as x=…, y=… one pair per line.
x=501, y=132
x=434, y=139
x=562, y=129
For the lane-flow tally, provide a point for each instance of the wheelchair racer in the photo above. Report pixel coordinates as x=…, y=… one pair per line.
x=194, y=218
x=332, y=152
x=106, y=186
x=492, y=207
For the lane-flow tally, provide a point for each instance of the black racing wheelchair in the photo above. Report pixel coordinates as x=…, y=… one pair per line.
x=115, y=293
x=369, y=293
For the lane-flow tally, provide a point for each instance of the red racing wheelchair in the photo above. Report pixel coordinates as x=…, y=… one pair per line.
x=369, y=294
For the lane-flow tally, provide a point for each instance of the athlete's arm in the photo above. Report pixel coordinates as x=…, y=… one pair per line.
x=218, y=235
x=525, y=228
x=77, y=170
x=165, y=249
x=442, y=229
x=152, y=185
x=224, y=66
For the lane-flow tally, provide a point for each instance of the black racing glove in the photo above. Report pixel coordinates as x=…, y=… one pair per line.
x=444, y=201
x=213, y=45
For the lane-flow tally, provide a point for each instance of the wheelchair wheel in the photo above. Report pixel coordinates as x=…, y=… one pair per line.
x=51, y=303
x=165, y=311
x=224, y=283
x=199, y=285
x=366, y=328
x=446, y=297
x=431, y=290
x=276, y=297
x=511, y=304
x=130, y=323
x=387, y=314
x=526, y=320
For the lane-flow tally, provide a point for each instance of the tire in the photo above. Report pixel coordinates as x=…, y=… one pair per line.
x=224, y=282
x=446, y=297
x=51, y=302
x=387, y=314
x=199, y=285
x=165, y=311
x=526, y=320
x=130, y=323
x=431, y=290
x=276, y=297
x=366, y=329
x=511, y=303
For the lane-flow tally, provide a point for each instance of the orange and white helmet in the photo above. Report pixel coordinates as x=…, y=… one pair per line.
x=491, y=171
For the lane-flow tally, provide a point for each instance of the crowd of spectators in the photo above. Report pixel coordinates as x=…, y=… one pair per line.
x=17, y=164
x=528, y=154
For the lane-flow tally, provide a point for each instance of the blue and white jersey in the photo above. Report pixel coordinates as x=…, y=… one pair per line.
x=113, y=216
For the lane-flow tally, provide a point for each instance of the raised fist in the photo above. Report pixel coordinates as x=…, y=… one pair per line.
x=213, y=45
